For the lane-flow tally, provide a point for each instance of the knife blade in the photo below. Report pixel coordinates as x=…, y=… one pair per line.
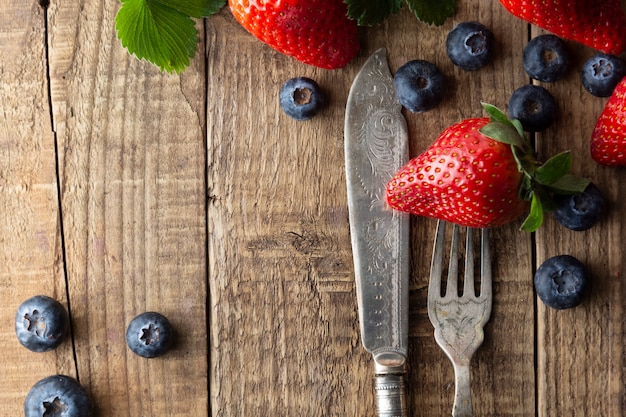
x=376, y=146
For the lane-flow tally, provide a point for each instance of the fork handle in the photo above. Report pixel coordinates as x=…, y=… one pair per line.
x=390, y=395
x=462, y=392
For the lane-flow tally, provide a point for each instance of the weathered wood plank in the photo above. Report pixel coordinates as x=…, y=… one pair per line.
x=149, y=212
x=31, y=260
x=580, y=351
x=277, y=214
x=131, y=151
x=283, y=312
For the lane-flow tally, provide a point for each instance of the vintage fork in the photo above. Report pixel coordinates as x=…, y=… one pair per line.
x=459, y=319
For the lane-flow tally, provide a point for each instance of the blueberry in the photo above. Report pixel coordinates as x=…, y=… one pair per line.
x=579, y=211
x=546, y=58
x=470, y=45
x=150, y=335
x=561, y=282
x=301, y=98
x=57, y=396
x=601, y=73
x=534, y=107
x=41, y=323
x=419, y=85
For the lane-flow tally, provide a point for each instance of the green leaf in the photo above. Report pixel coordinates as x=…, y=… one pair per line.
x=554, y=169
x=193, y=8
x=162, y=31
x=569, y=184
x=498, y=115
x=538, y=183
x=495, y=113
x=526, y=188
x=518, y=126
x=372, y=12
x=535, y=217
x=503, y=132
x=434, y=12
x=554, y=174
x=504, y=129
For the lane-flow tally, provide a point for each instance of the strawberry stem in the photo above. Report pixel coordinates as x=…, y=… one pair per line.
x=539, y=181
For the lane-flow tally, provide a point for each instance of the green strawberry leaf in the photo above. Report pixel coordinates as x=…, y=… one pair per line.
x=535, y=217
x=546, y=197
x=539, y=182
x=555, y=176
x=554, y=169
x=193, y=8
x=504, y=129
x=495, y=113
x=526, y=188
x=518, y=126
x=372, y=12
x=569, y=184
x=498, y=115
x=162, y=31
x=434, y=12
x=503, y=132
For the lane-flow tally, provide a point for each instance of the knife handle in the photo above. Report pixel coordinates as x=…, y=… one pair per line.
x=390, y=395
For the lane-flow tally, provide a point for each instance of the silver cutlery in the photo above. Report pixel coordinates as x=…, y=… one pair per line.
x=376, y=146
x=459, y=318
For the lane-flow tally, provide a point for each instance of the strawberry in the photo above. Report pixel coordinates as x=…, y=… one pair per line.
x=464, y=177
x=316, y=32
x=598, y=24
x=608, y=139
x=481, y=172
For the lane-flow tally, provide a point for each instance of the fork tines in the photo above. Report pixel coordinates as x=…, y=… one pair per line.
x=458, y=319
x=436, y=271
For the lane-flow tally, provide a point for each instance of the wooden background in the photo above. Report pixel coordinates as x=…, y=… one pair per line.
x=123, y=189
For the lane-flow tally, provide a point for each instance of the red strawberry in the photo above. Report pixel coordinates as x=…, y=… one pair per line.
x=316, y=32
x=481, y=173
x=608, y=139
x=464, y=177
x=599, y=24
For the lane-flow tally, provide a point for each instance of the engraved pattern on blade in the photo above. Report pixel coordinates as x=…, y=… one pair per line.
x=376, y=147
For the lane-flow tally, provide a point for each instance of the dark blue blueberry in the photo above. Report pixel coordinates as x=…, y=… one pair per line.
x=470, y=45
x=601, y=73
x=419, y=85
x=57, y=396
x=41, y=323
x=301, y=98
x=561, y=282
x=579, y=211
x=150, y=335
x=534, y=107
x=546, y=58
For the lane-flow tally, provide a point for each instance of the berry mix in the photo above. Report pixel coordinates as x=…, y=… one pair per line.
x=482, y=172
x=443, y=183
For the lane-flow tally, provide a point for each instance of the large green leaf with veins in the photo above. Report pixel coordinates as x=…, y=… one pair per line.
x=162, y=31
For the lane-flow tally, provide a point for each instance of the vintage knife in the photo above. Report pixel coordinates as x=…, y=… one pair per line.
x=376, y=146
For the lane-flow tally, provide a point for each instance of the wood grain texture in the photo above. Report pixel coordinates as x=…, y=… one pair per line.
x=283, y=313
x=30, y=248
x=194, y=195
x=131, y=152
x=581, y=357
